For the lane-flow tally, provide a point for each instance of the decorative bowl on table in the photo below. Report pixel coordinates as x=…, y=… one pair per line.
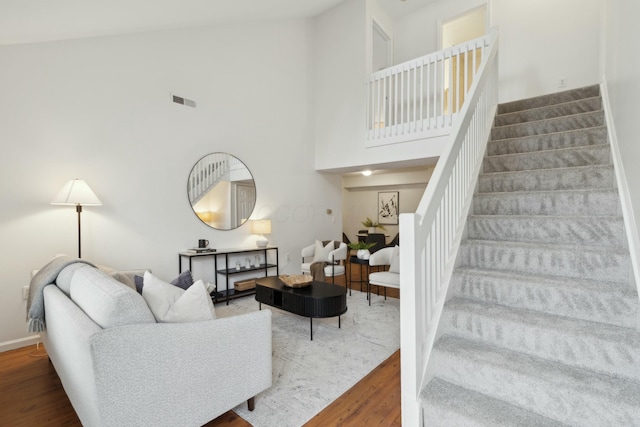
x=296, y=280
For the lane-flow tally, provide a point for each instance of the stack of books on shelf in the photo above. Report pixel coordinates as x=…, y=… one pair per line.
x=201, y=250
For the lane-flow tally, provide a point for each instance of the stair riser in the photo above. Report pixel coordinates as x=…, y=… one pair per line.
x=551, y=99
x=598, y=177
x=600, y=202
x=600, y=354
x=577, y=262
x=534, y=391
x=590, y=231
x=561, y=299
x=567, y=158
x=560, y=110
x=554, y=141
x=581, y=121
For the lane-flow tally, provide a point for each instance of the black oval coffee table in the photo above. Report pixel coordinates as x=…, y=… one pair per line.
x=318, y=300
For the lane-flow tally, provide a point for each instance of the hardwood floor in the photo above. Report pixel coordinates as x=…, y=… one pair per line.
x=31, y=395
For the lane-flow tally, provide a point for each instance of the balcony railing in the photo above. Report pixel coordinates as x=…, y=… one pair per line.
x=422, y=97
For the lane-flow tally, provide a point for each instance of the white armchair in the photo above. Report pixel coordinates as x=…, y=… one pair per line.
x=388, y=278
x=335, y=258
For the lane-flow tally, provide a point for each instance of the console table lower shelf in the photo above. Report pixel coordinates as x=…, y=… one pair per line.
x=317, y=300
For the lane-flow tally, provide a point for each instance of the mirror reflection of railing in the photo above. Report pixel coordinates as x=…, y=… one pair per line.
x=221, y=191
x=206, y=173
x=421, y=98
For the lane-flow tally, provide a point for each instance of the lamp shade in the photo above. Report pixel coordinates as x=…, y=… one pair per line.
x=261, y=226
x=76, y=192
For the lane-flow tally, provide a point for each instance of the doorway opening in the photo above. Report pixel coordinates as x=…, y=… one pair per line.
x=459, y=73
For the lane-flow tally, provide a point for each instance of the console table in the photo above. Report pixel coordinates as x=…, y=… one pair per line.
x=318, y=300
x=229, y=268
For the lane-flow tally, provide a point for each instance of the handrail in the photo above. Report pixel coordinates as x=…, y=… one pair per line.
x=421, y=98
x=431, y=237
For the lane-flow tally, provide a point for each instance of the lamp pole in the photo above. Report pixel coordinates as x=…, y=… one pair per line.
x=79, y=210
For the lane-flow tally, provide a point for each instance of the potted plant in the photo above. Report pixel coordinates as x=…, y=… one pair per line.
x=362, y=249
x=372, y=226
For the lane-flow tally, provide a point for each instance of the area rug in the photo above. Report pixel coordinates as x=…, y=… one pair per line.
x=309, y=375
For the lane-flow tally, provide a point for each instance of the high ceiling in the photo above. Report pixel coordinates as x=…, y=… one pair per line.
x=32, y=21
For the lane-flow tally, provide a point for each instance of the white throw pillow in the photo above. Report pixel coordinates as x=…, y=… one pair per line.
x=395, y=260
x=169, y=303
x=321, y=253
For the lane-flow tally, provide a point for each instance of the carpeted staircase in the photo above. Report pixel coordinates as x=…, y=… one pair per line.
x=540, y=329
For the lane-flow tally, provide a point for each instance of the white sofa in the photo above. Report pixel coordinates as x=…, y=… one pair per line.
x=121, y=368
x=390, y=278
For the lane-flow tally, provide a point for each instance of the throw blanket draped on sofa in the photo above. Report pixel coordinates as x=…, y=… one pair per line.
x=47, y=275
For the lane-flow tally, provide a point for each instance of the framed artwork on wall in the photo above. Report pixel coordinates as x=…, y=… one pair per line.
x=388, y=207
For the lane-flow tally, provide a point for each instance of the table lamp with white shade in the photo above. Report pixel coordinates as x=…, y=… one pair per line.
x=77, y=193
x=261, y=227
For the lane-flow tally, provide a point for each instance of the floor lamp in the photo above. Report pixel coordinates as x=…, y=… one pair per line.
x=77, y=193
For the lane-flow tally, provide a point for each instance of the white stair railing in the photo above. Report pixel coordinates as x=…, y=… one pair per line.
x=422, y=97
x=431, y=237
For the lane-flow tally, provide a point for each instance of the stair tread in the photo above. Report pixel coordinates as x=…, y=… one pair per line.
x=550, y=99
x=547, y=246
x=549, y=119
x=551, y=125
x=544, y=135
x=531, y=111
x=568, y=168
x=534, y=193
x=552, y=151
x=544, y=107
x=565, y=393
x=584, y=328
x=580, y=230
x=549, y=280
x=462, y=407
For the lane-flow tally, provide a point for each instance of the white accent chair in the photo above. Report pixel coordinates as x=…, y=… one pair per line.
x=335, y=258
x=389, y=256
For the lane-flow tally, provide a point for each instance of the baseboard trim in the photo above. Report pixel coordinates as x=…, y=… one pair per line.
x=623, y=190
x=19, y=343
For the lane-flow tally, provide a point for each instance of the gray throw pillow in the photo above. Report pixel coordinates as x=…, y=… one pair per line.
x=183, y=281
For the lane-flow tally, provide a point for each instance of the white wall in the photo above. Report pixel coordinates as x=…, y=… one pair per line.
x=540, y=41
x=100, y=109
x=543, y=41
x=622, y=73
x=340, y=47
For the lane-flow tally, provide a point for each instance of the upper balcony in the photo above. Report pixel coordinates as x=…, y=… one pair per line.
x=421, y=98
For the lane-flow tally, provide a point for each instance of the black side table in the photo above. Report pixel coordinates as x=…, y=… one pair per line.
x=364, y=274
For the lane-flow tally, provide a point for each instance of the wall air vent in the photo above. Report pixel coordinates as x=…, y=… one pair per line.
x=184, y=101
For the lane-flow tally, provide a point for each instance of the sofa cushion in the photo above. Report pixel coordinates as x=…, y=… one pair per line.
x=107, y=301
x=170, y=303
x=64, y=277
x=184, y=280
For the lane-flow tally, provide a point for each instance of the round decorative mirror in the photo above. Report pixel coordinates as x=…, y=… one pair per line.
x=221, y=191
